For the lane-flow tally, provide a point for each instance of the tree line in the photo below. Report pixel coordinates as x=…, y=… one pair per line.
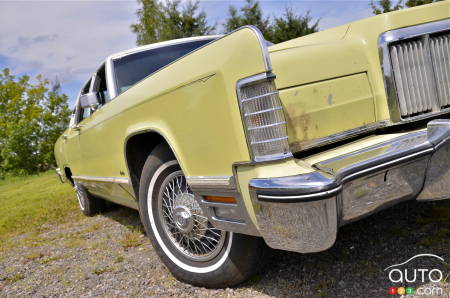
x=34, y=115
x=165, y=20
x=170, y=19
x=383, y=6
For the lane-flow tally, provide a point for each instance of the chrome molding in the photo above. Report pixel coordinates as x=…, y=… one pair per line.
x=102, y=179
x=305, y=145
x=388, y=77
x=263, y=44
x=300, y=198
x=211, y=182
x=238, y=219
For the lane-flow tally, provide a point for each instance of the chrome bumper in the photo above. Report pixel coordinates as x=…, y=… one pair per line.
x=302, y=213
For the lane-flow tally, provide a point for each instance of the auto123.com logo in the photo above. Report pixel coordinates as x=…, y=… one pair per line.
x=400, y=275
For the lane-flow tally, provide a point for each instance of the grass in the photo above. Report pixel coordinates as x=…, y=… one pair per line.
x=30, y=202
x=98, y=271
x=132, y=239
x=15, y=277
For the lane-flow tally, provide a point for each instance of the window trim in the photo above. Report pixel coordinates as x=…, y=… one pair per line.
x=111, y=77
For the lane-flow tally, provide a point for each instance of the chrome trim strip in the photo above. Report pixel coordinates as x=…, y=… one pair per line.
x=102, y=179
x=305, y=145
x=386, y=68
x=388, y=164
x=300, y=198
x=211, y=182
x=217, y=204
x=230, y=223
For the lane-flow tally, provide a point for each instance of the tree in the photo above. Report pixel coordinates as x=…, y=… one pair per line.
x=32, y=116
x=383, y=6
x=412, y=3
x=290, y=26
x=159, y=21
x=251, y=14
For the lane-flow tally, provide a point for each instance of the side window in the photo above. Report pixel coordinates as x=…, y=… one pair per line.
x=100, y=85
x=85, y=112
x=132, y=68
x=96, y=84
x=72, y=117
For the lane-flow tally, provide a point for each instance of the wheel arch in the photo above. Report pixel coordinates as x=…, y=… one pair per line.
x=68, y=174
x=138, y=146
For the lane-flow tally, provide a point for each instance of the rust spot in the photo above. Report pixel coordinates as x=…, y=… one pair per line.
x=298, y=122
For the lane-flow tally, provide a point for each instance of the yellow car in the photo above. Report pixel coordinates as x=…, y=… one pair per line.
x=228, y=143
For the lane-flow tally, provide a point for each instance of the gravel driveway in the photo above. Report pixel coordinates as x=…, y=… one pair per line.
x=108, y=255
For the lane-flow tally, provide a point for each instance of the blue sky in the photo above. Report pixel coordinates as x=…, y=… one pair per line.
x=69, y=39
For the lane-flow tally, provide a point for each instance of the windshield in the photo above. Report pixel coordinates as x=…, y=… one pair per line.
x=132, y=68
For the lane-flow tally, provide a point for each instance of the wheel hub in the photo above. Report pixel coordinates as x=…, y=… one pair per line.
x=183, y=219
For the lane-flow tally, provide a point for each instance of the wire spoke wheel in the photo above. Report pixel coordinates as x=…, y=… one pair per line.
x=184, y=223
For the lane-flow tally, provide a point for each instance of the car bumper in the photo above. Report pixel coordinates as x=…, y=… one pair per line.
x=302, y=213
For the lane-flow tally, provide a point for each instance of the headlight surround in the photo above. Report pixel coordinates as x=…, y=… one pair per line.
x=263, y=118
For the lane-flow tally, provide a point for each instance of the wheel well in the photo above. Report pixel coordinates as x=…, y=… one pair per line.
x=68, y=173
x=137, y=149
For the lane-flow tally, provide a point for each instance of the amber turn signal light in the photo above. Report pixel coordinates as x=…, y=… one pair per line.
x=216, y=199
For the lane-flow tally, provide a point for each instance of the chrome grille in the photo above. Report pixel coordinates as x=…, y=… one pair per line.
x=440, y=52
x=421, y=68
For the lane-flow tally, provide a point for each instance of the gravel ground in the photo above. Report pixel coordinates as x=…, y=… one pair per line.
x=108, y=255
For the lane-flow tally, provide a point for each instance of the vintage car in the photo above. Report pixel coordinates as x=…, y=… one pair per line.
x=226, y=144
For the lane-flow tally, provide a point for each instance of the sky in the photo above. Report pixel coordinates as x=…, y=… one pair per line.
x=68, y=40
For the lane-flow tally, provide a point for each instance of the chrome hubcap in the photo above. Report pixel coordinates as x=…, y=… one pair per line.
x=184, y=223
x=183, y=219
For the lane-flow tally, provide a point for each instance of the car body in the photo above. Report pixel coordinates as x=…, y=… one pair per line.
x=349, y=121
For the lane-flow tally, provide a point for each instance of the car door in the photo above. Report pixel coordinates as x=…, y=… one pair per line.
x=72, y=136
x=96, y=149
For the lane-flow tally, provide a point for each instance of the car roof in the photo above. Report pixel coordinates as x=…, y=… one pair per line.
x=161, y=44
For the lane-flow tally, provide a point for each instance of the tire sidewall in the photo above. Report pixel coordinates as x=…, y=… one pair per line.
x=177, y=263
x=92, y=205
x=244, y=255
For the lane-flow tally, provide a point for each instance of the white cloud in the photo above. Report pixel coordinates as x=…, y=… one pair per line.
x=64, y=39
